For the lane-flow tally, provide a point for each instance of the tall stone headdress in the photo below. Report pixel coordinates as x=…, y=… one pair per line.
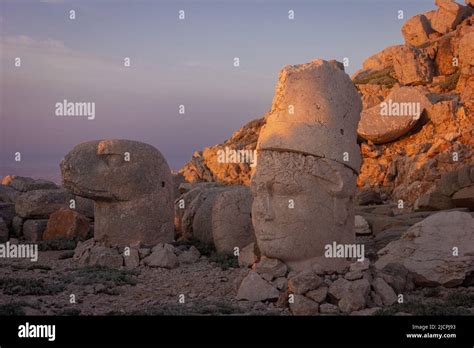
x=315, y=111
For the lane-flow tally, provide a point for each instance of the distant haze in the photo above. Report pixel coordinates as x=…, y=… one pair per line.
x=173, y=62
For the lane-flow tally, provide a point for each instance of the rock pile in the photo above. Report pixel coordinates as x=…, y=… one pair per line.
x=30, y=207
x=94, y=253
x=358, y=290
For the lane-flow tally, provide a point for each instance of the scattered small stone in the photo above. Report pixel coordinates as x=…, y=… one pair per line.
x=190, y=256
x=303, y=306
x=318, y=295
x=254, y=288
x=328, y=308
x=304, y=282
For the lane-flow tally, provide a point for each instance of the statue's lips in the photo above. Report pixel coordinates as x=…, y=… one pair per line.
x=268, y=237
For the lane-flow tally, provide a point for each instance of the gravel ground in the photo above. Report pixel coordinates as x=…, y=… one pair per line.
x=50, y=282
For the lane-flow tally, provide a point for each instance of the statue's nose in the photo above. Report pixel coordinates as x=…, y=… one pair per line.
x=264, y=208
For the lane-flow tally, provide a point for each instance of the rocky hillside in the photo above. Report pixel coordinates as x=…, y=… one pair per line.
x=402, y=157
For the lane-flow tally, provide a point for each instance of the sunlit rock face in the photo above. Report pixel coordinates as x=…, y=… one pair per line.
x=131, y=185
x=308, y=159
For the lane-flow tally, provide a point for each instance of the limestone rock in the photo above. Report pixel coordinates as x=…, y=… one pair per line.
x=40, y=204
x=24, y=184
x=254, y=288
x=304, y=282
x=448, y=16
x=445, y=54
x=247, y=256
x=131, y=185
x=195, y=218
x=231, y=219
x=433, y=201
x=312, y=102
x=464, y=198
x=360, y=266
x=84, y=206
x=328, y=308
x=412, y=66
x=8, y=194
x=7, y=212
x=33, y=229
x=395, y=117
x=352, y=294
x=66, y=223
x=368, y=197
x=318, y=295
x=416, y=30
x=189, y=256
x=361, y=226
x=104, y=256
x=385, y=291
x=271, y=267
x=339, y=288
x=132, y=260
x=426, y=250
x=205, y=165
x=303, y=306
x=188, y=205
x=162, y=256
x=4, y=233
x=353, y=275
x=82, y=251
x=17, y=226
x=397, y=277
x=466, y=49
x=281, y=283
x=382, y=59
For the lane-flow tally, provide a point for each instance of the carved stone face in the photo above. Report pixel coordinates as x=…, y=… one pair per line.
x=301, y=203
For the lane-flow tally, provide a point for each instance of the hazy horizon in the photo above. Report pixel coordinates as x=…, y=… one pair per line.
x=173, y=62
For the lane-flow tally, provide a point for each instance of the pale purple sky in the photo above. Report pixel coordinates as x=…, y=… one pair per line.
x=174, y=62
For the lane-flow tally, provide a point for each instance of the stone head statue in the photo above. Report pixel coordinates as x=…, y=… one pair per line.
x=301, y=203
x=131, y=185
x=308, y=159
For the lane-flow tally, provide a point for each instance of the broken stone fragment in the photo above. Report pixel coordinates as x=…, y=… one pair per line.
x=304, y=282
x=162, y=256
x=66, y=223
x=271, y=267
x=254, y=288
x=302, y=305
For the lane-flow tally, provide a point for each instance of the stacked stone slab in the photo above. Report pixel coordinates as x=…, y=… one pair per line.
x=29, y=202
